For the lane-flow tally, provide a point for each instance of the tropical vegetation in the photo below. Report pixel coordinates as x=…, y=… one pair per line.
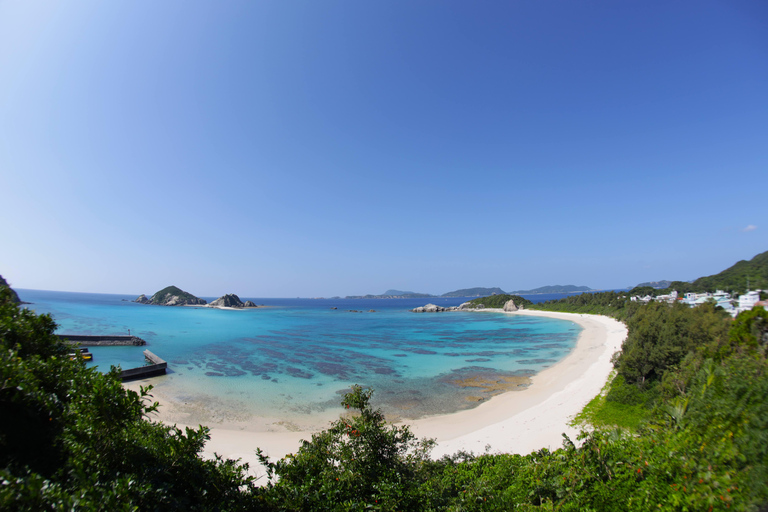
x=752, y=274
x=498, y=301
x=614, y=304
x=682, y=426
x=72, y=438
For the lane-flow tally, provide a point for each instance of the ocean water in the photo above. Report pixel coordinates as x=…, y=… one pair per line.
x=295, y=358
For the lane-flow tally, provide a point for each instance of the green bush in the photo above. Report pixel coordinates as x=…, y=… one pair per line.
x=359, y=462
x=660, y=335
x=614, y=304
x=498, y=301
x=73, y=438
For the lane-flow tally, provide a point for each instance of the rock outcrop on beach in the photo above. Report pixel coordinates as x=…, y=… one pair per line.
x=249, y=304
x=142, y=299
x=229, y=300
x=172, y=296
x=14, y=295
x=429, y=308
x=509, y=306
x=433, y=308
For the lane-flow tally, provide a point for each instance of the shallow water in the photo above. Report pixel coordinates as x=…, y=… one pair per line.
x=294, y=360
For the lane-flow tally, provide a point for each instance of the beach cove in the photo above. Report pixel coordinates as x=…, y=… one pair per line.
x=269, y=377
x=519, y=421
x=286, y=368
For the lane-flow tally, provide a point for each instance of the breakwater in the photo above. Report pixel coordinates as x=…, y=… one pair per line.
x=88, y=340
x=155, y=368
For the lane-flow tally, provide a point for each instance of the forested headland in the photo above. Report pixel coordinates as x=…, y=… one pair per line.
x=682, y=426
x=752, y=274
x=498, y=301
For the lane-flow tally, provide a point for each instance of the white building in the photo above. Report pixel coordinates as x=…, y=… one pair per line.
x=748, y=301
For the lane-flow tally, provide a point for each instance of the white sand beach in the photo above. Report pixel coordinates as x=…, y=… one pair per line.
x=536, y=417
x=514, y=422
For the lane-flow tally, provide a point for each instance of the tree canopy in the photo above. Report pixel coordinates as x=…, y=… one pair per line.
x=73, y=438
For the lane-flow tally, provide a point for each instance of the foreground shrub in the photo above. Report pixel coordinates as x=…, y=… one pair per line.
x=360, y=462
x=72, y=438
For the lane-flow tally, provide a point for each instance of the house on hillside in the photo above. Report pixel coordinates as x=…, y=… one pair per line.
x=748, y=300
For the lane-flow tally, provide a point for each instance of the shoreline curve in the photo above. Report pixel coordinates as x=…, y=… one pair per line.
x=518, y=421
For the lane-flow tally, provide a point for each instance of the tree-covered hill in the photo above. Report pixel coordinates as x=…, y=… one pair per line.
x=13, y=294
x=735, y=278
x=498, y=301
x=174, y=296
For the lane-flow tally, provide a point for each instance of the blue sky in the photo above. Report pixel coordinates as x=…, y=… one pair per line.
x=282, y=149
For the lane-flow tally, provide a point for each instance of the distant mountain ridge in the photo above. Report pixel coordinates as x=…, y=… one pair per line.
x=474, y=292
x=393, y=294
x=655, y=284
x=398, y=292
x=556, y=288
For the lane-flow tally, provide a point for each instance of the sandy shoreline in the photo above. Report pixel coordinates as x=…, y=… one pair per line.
x=515, y=422
x=534, y=418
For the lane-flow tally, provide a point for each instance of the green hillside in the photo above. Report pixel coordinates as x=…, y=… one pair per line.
x=733, y=280
x=735, y=277
x=172, y=295
x=498, y=301
x=14, y=295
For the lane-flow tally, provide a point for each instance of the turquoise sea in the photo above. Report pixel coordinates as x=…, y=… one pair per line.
x=296, y=357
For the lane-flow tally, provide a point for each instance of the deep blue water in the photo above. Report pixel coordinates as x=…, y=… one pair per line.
x=298, y=355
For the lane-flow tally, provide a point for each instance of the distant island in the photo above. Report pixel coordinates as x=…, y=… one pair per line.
x=393, y=294
x=171, y=296
x=568, y=288
x=231, y=300
x=400, y=294
x=473, y=292
x=655, y=284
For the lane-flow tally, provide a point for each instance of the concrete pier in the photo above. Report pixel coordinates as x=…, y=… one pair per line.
x=156, y=367
x=87, y=340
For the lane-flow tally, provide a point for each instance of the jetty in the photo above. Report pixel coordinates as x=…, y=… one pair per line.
x=155, y=368
x=155, y=365
x=89, y=340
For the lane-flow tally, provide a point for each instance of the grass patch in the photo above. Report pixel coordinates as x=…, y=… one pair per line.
x=601, y=412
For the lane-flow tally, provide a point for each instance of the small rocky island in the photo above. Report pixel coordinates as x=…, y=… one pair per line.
x=231, y=300
x=171, y=296
x=174, y=296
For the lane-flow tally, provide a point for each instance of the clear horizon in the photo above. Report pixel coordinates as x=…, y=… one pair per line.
x=203, y=296
x=311, y=149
